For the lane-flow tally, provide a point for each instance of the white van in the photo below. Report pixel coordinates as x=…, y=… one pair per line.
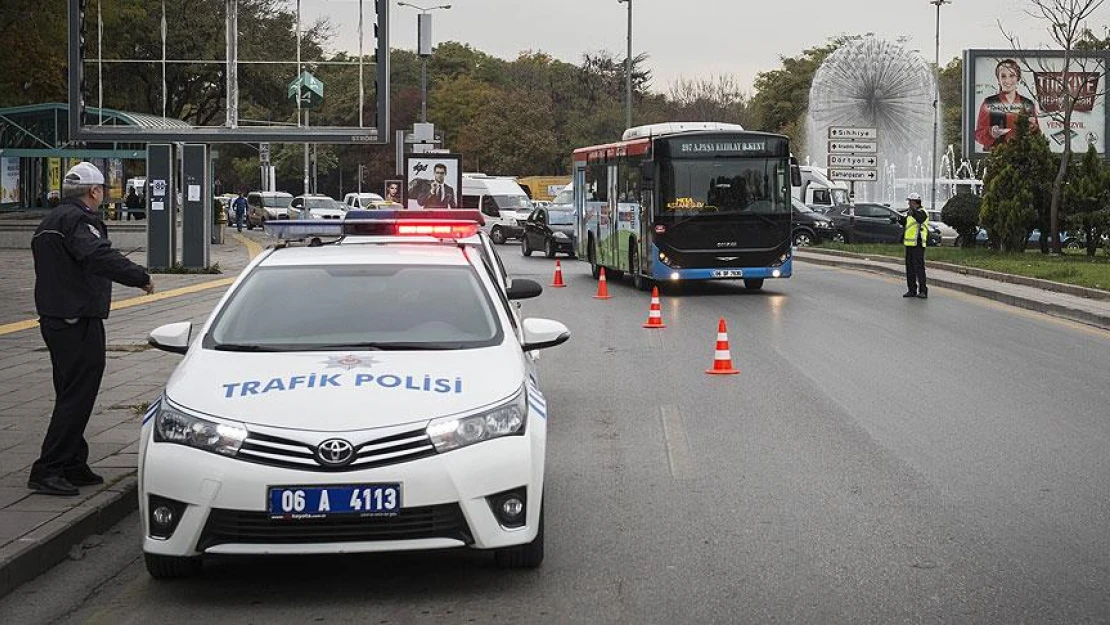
x=505, y=205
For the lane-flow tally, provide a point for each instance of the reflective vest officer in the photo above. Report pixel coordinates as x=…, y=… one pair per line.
x=75, y=266
x=915, y=237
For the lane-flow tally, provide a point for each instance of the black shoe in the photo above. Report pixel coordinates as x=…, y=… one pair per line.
x=923, y=295
x=52, y=485
x=83, y=477
x=909, y=294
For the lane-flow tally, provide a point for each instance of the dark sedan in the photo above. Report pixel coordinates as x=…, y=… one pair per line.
x=810, y=227
x=866, y=222
x=550, y=230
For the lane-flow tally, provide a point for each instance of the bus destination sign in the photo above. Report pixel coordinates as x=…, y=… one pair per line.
x=702, y=147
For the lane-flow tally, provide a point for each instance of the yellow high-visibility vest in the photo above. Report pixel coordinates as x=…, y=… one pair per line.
x=909, y=237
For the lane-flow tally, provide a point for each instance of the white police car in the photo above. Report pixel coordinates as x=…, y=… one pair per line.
x=373, y=395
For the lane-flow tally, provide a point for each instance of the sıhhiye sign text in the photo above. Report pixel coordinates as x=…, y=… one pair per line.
x=852, y=133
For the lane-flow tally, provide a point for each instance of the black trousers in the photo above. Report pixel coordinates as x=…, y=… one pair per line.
x=77, y=355
x=915, y=270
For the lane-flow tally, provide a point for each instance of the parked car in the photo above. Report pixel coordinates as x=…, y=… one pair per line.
x=362, y=200
x=315, y=207
x=948, y=234
x=550, y=230
x=811, y=227
x=866, y=222
x=263, y=206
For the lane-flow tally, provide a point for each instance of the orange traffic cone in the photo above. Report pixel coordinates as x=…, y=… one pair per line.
x=602, y=286
x=558, y=276
x=655, y=313
x=722, y=360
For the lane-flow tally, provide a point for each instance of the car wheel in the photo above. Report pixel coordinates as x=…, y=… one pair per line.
x=524, y=249
x=548, y=248
x=527, y=556
x=838, y=237
x=753, y=284
x=591, y=255
x=171, y=567
x=497, y=235
x=1072, y=244
x=803, y=238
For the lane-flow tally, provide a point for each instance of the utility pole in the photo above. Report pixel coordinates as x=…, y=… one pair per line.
x=628, y=70
x=936, y=103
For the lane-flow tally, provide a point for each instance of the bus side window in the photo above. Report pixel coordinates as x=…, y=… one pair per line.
x=489, y=207
x=470, y=201
x=597, y=183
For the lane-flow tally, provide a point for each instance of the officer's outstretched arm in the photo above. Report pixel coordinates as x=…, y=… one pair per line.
x=96, y=253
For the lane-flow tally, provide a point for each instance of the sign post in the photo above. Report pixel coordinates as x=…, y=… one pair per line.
x=853, y=155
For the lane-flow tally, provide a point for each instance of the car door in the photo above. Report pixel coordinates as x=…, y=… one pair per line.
x=867, y=226
x=890, y=229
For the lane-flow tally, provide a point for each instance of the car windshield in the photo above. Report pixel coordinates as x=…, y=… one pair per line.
x=512, y=202
x=277, y=202
x=386, y=307
x=724, y=185
x=560, y=218
x=369, y=200
x=319, y=202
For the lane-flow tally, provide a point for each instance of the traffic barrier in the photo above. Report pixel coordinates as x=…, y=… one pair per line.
x=722, y=359
x=602, y=286
x=655, y=313
x=558, y=283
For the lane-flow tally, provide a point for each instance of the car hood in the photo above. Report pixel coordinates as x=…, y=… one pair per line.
x=343, y=391
x=327, y=213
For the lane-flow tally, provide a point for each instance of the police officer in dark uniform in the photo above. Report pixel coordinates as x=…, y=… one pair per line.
x=915, y=236
x=75, y=266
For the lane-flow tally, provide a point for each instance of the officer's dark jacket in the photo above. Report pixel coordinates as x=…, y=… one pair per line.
x=75, y=264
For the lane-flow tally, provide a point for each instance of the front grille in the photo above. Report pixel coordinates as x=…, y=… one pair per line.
x=257, y=528
x=287, y=453
x=737, y=258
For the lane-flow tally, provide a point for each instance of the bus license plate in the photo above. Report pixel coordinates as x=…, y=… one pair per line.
x=728, y=273
x=317, y=502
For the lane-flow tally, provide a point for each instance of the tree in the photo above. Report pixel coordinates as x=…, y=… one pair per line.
x=34, y=65
x=510, y=135
x=1067, y=27
x=962, y=213
x=1016, y=170
x=782, y=95
x=709, y=99
x=951, y=98
x=1087, y=196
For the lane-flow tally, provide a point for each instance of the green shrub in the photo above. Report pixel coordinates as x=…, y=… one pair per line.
x=961, y=212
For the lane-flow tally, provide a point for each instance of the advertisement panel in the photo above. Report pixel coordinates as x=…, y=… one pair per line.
x=114, y=179
x=1003, y=86
x=432, y=180
x=9, y=180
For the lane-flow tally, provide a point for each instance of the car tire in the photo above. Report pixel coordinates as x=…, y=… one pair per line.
x=548, y=248
x=838, y=237
x=171, y=567
x=526, y=556
x=753, y=284
x=591, y=255
x=525, y=249
x=803, y=238
x=497, y=235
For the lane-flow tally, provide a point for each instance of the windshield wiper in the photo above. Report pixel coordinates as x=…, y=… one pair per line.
x=242, y=347
x=384, y=347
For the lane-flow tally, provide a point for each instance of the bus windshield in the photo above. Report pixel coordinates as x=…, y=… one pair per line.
x=723, y=185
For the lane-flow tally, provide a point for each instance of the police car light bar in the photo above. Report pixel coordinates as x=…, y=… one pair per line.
x=444, y=224
x=297, y=229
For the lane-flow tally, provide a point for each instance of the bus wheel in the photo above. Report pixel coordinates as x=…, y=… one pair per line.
x=591, y=255
x=639, y=282
x=497, y=235
x=753, y=284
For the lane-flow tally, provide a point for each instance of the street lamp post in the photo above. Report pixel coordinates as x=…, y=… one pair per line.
x=628, y=70
x=424, y=49
x=936, y=102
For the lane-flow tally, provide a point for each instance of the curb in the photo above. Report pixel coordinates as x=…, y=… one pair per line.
x=893, y=267
x=50, y=543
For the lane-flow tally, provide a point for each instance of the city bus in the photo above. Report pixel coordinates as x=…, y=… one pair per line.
x=683, y=202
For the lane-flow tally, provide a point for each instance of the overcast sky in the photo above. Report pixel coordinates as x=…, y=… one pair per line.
x=701, y=38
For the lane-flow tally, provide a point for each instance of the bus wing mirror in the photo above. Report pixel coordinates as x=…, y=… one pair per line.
x=795, y=173
x=647, y=175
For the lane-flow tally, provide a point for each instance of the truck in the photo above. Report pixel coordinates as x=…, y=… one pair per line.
x=543, y=188
x=817, y=191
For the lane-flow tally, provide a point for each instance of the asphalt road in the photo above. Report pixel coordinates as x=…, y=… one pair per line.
x=877, y=460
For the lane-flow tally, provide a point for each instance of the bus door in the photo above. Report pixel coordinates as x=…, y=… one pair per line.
x=645, y=188
x=613, y=257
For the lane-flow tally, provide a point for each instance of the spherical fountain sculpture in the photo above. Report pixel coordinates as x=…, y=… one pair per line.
x=875, y=83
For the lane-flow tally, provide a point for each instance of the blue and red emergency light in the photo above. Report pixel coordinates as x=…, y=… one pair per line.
x=440, y=224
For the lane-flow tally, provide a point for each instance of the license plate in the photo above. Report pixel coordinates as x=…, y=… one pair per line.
x=317, y=502
x=728, y=273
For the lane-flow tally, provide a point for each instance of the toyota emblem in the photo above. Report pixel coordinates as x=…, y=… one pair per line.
x=335, y=452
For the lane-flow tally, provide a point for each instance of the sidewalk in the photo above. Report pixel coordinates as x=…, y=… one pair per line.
x=38, y=531
x=1089, y=306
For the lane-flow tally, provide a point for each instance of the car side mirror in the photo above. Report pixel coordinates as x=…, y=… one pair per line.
x=523, y=288
x=173, y=337
x=542, y=333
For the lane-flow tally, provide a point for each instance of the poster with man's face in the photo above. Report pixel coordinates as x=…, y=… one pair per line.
x=432, y=180
x=1008, y=86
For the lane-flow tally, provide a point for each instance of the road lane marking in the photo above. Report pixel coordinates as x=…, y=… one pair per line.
x=678, y=445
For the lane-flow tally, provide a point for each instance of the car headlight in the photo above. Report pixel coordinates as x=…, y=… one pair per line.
x=175, y=426
x=560, y=235
x=822, y=224
x=449, y=433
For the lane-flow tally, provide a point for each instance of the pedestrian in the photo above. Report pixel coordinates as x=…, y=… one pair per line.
x=915, y=235
x=75, y=266
x=132, y=202
x=239, y=204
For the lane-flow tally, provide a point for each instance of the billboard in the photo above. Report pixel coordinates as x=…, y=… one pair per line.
x=433, y=180
x=1003, y=86
x=9, y=180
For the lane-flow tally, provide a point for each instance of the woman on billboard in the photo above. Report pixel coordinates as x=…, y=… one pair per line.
x=999, y=113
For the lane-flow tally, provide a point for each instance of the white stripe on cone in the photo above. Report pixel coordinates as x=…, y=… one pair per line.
x=721, y=355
